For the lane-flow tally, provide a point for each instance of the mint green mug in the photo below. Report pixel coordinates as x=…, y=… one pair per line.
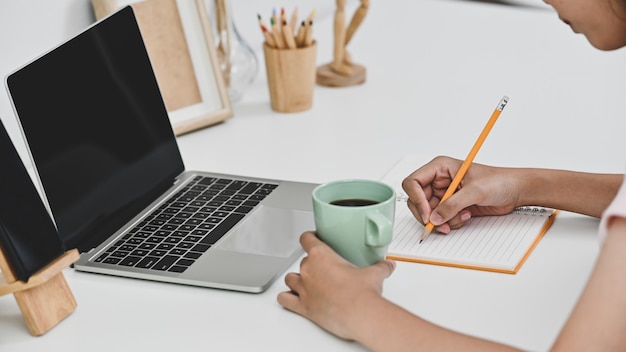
x=355, y=218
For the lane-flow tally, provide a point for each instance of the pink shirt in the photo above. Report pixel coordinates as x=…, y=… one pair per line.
x=617, y=208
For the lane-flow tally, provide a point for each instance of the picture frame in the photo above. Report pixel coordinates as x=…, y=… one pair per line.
x=179, y=41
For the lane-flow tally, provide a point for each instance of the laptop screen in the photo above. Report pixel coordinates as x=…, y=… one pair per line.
x=97, y=129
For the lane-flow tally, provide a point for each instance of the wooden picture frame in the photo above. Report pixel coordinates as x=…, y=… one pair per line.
x=179, y=41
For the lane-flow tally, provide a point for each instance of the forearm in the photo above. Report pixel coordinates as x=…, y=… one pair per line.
x=383, y=326
x=579, y=192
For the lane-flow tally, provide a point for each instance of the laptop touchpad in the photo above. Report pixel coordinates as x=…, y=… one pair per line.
x=269, y=231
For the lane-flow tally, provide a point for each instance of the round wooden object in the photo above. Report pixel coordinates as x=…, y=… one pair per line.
x=326, y=76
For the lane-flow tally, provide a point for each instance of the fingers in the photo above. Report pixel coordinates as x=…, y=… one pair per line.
x=385, y=268
x=453, y=210
x=418, y=195
x=290, y=301
x=426, y=185
x=292, y=280
x=439, y=217
x=309, y=240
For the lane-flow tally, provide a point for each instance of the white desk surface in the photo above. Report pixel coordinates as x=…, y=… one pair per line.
x=435, y=71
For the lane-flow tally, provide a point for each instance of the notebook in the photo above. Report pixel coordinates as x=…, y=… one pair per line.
x=490, y=243
x=112, y=176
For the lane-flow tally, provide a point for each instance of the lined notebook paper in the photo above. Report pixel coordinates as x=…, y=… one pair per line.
x=492, y=243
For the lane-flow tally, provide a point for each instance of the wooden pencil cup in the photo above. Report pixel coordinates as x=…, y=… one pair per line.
x=291, y=77
x=46, y=298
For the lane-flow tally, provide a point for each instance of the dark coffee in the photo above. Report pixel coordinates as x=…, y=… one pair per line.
x=354, y=202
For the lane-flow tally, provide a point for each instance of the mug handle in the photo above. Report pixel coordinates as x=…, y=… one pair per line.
x=378, y=230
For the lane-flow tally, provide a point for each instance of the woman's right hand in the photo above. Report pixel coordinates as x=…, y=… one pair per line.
x=485, y=190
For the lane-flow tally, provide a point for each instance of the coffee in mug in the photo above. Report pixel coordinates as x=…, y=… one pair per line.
x=355, y=218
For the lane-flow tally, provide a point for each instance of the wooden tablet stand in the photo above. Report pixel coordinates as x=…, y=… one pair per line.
x=45, y=299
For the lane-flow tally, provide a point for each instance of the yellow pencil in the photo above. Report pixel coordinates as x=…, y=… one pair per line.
x=456, y=181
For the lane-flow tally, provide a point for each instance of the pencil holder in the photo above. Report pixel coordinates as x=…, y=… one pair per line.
x=291, y=77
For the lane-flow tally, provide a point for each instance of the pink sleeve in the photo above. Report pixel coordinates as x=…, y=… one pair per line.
x=617, y=208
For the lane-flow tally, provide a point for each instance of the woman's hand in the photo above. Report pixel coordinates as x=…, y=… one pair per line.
x=484, y=191
x=332, y=292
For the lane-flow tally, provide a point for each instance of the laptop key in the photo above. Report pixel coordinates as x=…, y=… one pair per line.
x=178, y=251
x=250, y=188
x=185, y=245
x=147, y=262
x=193, y=255
x=130, y=261
x=165, y=263
x=177, y=269
x=206, y=180
x=221, y=229
x=111, y=260
x=185, y=262
x=200, y=248
x=244, y=209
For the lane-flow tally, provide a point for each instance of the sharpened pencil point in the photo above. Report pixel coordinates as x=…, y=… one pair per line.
x=421, y=241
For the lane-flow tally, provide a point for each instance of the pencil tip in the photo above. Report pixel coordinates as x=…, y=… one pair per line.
x=421, y=241
x=426, y=232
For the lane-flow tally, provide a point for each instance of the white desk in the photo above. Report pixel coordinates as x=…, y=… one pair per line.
x=435, y=71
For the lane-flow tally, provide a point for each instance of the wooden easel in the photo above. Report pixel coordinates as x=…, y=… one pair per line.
x=45, y=299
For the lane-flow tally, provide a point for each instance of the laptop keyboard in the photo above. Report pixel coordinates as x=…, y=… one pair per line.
x=187, y=224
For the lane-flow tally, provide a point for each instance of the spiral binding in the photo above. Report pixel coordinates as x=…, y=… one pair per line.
x=526, y=210
x=531, y=210
x=401, y=197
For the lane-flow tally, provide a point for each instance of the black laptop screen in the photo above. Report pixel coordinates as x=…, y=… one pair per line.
x=97, y=129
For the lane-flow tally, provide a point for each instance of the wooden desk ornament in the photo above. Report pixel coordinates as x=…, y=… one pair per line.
x=342, y=71
x=46, y=298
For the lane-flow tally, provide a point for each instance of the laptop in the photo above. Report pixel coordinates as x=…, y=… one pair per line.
x=111, y=174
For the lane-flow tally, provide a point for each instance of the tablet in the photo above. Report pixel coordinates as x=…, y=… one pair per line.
x=28, y=236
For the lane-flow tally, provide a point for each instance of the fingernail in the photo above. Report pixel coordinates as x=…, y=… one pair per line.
x=465, y=216
x=393, y=263
x=436, y=219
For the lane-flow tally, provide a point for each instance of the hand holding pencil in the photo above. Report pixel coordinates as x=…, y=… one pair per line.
x=456, y=181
